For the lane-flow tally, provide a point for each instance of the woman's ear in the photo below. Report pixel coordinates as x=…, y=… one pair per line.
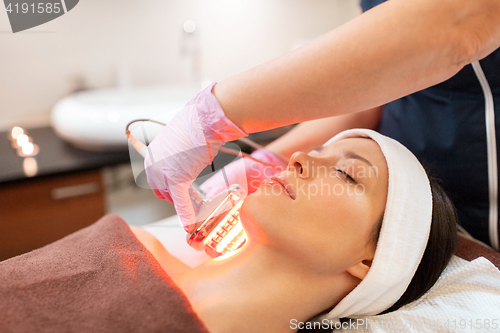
x=360, y=269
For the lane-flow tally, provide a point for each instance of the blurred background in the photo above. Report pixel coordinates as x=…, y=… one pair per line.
x=122, y=46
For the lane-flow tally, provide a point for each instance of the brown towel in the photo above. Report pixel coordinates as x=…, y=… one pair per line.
x=470, y=250
x=99, y=279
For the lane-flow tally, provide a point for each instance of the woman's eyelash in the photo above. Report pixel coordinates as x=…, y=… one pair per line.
x=345, y=175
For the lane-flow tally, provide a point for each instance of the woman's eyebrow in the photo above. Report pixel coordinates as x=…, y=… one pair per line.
x=350, y=154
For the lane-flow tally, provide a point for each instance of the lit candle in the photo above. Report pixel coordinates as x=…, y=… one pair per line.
x=16, y=131
x=30, y=166
x=28, y=148
x=22, y=139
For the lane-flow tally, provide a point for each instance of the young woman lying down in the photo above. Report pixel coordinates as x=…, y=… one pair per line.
x=354, y=228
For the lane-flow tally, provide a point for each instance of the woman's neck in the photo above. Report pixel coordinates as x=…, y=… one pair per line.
x=258, y=290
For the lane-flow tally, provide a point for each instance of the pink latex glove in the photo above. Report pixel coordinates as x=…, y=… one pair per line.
x=184, y=148
x=253, y=174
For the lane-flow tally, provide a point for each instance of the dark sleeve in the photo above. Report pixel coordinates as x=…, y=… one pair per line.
x=369, y=4
x=99, y=279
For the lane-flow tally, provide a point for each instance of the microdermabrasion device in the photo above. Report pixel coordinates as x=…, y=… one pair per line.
x=218, y=230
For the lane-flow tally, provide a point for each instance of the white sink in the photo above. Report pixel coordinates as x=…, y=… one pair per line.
x=96, y=119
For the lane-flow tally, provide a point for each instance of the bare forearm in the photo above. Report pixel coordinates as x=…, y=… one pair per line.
x=314, y=133
x=388, y=52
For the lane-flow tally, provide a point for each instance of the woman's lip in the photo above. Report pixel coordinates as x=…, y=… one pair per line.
x=286, y=185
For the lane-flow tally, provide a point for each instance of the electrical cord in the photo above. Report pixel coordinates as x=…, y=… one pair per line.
x=255, y=145
x=137, y=120
x=137, y=144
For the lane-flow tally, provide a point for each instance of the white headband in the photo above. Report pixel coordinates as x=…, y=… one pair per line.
x=403, y=236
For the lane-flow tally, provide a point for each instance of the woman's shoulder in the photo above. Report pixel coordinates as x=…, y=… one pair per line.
x=168, y=262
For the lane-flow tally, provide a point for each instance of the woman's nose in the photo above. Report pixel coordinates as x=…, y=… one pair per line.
x=300, y=163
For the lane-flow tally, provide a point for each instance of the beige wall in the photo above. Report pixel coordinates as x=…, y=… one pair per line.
x=41, y=65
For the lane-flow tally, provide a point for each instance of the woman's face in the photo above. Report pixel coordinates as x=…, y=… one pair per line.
x=322, y=211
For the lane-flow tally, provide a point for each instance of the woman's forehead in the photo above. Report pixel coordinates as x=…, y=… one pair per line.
x=362, y=148
x=355, y=144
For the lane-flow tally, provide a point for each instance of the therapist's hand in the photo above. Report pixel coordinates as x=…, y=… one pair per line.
x=252, y=175
x=184, y=148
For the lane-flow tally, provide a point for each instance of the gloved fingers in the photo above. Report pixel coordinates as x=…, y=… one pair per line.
x=171, y=176
x=216, y=184
x=268, y=156
x=212, y=187
x=248, y=174
x=157, y=181
x=183, y=205
x=258, y=173
x=163, y=195
x=184, y=147
x=233, y=173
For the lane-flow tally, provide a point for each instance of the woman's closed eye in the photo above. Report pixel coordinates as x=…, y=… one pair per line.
x=345, y=175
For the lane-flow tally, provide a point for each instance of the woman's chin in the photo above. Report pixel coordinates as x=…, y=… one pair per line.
x=252, y=215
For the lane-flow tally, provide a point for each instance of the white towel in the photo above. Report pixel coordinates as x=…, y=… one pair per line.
x=466, y=298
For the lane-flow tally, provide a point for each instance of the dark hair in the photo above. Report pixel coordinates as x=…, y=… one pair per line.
x=441, y=246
